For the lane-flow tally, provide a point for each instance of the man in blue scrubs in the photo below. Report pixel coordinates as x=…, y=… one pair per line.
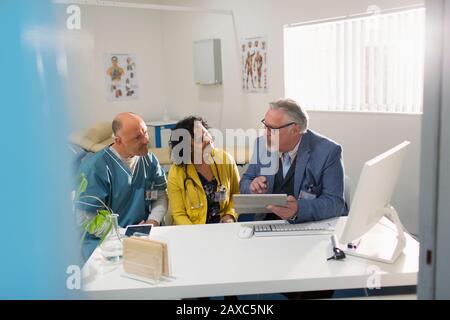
x=126, y=177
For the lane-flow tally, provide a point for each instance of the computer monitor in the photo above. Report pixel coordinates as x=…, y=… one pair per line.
x=362, y=235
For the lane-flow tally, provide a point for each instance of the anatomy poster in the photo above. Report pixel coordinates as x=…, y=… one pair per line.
x=254, y=64
x=121, y=77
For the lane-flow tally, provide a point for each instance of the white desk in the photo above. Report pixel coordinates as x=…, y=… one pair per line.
x=210, y=260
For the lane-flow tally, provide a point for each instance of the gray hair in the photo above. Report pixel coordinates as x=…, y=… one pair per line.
x=116, y=126
x=293, y=110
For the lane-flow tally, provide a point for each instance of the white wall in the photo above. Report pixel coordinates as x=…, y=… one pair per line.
x=106, y=30
x=362, y=135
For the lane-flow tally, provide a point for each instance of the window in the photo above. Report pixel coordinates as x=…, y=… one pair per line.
x=374, y=63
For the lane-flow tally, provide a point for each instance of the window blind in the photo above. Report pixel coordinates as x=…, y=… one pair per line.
x=373, y=63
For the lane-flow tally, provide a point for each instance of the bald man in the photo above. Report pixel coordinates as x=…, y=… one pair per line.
x=126, y=177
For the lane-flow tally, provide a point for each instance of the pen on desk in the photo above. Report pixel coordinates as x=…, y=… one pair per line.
x=338, y=254
x=334, y=241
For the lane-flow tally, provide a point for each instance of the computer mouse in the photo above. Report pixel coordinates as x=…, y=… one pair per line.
x=245, y=232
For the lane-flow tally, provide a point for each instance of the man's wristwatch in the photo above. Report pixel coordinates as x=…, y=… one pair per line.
x=293, y=218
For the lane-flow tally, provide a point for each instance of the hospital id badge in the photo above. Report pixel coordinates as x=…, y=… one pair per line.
x=307, y=196
x=151, y=195
x=221, y=195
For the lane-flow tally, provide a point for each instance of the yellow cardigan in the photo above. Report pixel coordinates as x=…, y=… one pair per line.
x=190, y=207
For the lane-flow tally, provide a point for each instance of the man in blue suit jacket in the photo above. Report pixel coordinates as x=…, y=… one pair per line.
x=294, y=160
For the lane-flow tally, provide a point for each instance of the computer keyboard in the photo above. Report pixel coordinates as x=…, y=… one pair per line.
x=287, y=229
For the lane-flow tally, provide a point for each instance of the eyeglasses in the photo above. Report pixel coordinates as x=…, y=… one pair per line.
x=263, y=121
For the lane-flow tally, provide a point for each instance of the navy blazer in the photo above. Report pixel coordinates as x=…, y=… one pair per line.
x=318, y=181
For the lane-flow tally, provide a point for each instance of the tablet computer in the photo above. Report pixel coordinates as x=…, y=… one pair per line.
x=257, y=203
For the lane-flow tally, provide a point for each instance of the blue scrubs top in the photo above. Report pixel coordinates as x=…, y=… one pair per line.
x=111, y=180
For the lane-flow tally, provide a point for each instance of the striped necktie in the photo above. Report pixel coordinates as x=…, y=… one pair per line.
x=286, y=159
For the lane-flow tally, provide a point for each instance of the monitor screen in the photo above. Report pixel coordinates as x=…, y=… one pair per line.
x=373, y=192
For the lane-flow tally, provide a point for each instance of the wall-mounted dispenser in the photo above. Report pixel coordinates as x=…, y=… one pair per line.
x=207, y=62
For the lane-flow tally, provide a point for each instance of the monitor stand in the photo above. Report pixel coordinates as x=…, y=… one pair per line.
x=384, y=242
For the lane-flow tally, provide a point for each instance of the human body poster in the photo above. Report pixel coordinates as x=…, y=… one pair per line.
x=121, y=77
x=254, y=65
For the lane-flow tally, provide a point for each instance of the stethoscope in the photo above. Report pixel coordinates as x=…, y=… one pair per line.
x=220, y=195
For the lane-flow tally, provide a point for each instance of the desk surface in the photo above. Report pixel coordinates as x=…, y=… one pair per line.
x=211, y=260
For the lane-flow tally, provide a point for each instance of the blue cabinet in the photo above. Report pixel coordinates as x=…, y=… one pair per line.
x=159, y=132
